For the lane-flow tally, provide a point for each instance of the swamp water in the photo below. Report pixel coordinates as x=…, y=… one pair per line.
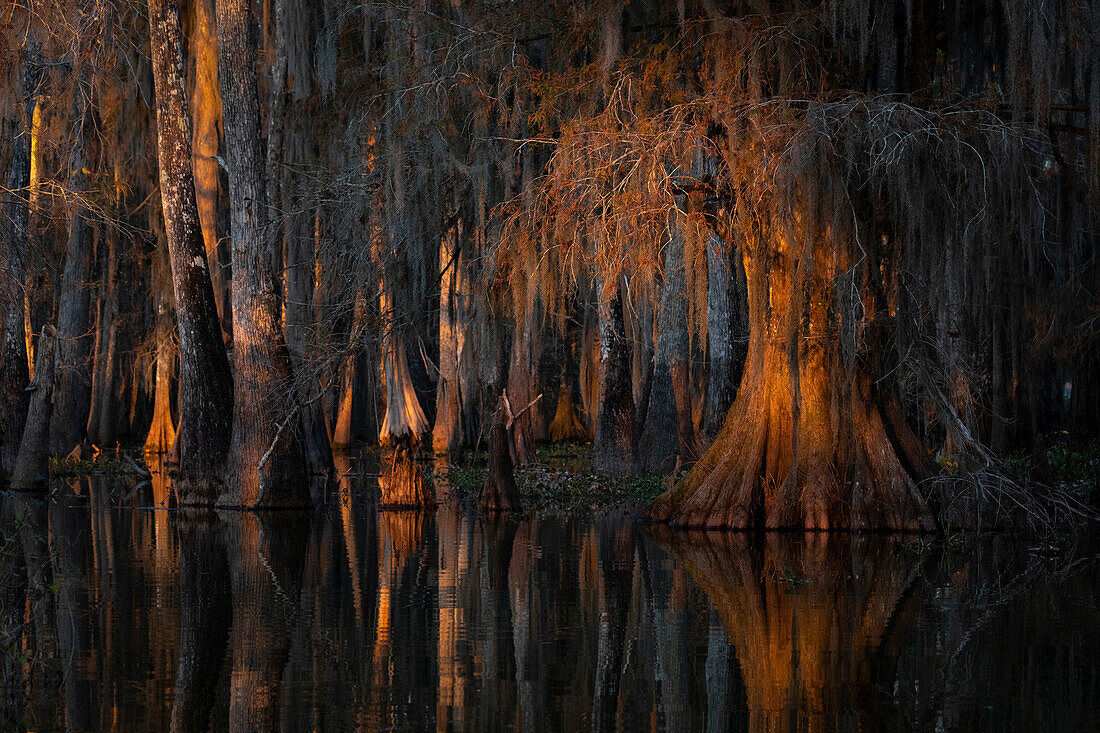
x=120, y=615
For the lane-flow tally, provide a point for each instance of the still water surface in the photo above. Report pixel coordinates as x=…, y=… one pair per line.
x=122, y=616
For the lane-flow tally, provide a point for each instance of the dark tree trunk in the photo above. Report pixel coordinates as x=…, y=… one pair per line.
x=205, y=385
x=499, y=493
x=266, y=465
x=287, y=141
x=14, y=244
x=102, y=423
x=613, y=447
x=30, y=465
x=73, y=392
x=669, y=431
x=727, y=332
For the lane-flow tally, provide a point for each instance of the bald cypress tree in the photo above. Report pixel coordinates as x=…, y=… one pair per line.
x=266, y=466
x=206, y=388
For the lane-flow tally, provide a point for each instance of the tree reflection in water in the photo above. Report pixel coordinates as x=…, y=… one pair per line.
x=806, y=615
x=119, y=615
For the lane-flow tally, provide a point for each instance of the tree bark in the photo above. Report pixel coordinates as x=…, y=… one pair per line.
x=162, y=429
x=206, y=108
x=102, y=423
x=14, y=243
x=669, y=431
x=72, y=393
x=499, y=493
x=805, y=444
x=447, y=430
x=205, y=385
x=727, y=332
x=613, y=446
x=30, y=464
x=265, y=467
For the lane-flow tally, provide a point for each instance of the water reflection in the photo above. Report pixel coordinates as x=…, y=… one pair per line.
x=121, y=615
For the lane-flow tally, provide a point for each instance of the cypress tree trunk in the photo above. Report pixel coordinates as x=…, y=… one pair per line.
x=727, y=332
x=102, y=424
x=205, y=386
x=73, y=392
x=31, y=461
x=162, y=429
x=805, y=444
x=613, y=446
x=500, y=493
x=206, y=108
x=522, y=389
x=669, y=431
x=266, y=466
x=287, y=142
x=447, y=430
x=14, y=243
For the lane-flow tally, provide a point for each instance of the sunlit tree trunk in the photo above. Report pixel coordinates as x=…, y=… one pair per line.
x=162, y=430
x=206, y=109
x=447, y=430
x=72, y=392
x=404, y=425
x=805, y=444
x=566, y=425
x=266, y=466
x=343, y=431
x=613, y=446
x=205, y=386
